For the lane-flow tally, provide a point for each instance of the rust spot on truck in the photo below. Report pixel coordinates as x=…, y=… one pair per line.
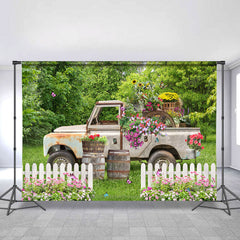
x=70, y=140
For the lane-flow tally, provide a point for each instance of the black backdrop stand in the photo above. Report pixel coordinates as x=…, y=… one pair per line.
x=222, y=188
x=15, y=188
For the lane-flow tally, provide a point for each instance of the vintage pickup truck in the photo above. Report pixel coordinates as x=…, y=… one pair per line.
x=64, y=144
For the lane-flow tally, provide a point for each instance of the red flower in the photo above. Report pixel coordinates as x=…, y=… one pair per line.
x=202, y=147
x=196, y=142
x=185, y=140
x=199, y=144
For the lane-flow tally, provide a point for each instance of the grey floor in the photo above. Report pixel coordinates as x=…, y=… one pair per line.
x=120, y=220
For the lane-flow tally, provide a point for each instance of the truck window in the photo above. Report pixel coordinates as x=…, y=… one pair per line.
x=108, y=116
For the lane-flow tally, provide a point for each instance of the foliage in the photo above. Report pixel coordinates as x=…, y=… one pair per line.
x=169, y=97
x=195, y=84
x=180, y=189
x=64, y=93
x=95, y=138
x=56, y=190
x=36, y=121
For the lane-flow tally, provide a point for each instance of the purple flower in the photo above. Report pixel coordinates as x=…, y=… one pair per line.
x=53, y=94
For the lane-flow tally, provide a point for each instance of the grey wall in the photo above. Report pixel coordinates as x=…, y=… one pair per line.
x=6, y=116
x=235, y=149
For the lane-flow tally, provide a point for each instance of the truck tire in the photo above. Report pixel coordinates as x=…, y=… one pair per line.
x=61, y=157
x=161, y=157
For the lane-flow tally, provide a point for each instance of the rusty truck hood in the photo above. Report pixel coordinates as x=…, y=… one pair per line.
x=71, y=129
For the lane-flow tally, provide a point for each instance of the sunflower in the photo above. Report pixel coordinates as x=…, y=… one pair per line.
x=140, y=85
x=134, y=81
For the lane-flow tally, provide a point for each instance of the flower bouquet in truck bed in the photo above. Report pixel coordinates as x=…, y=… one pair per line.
x=135, y=126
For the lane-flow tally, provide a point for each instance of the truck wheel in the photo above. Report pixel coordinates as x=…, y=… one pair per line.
x=161, y=157
x=61, y=157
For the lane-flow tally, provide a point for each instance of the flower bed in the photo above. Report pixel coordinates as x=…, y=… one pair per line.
x=56, y=190
x=181, y=189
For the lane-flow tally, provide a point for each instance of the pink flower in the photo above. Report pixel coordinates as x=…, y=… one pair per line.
x=53, y=94
x=128, y=181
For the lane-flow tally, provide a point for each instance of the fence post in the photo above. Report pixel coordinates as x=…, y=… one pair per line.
x=171, y=171
x=55, y=171
x=90, y=175
x=27, y=171
x=192, y=170
x=76, y=170
x=62, y=170
x=41, y=171
x=34, y=170
x=150, y=170
x=213, y=174
x=143, y=175
x=83, y=172
x=164, y=170
x=185, y=170
x=48, y=171
x=206, y=171
x=199, y=171
x=69, y=170
x=178, y=170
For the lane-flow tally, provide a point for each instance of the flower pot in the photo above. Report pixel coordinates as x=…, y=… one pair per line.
x=93, y=147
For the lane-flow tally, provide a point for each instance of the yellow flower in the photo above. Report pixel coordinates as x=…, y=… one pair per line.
x=140, y=84
x=169, y=97
x=134, y=81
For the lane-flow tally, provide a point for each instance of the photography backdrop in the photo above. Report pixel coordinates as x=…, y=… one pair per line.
x=56, y=94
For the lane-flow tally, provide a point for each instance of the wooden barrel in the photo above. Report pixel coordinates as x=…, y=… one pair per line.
x=93, y=147
x=118, y=164
x=98, y=162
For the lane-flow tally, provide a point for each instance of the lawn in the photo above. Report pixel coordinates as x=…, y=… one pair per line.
x=120, y=190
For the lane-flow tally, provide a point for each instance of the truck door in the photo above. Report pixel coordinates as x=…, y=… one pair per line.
x=104, y=122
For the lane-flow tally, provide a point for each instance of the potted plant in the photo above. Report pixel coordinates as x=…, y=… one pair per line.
x=93, y=143
x=170, y=100
x=194, y=143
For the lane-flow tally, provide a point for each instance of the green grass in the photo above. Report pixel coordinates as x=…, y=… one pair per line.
x=120, y=190
x=33, y=154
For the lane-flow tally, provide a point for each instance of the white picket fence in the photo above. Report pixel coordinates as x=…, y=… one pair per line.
x=170, y=172
x=55, y=172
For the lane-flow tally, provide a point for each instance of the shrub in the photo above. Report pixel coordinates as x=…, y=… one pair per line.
x=56, y=190
x=181, y=189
